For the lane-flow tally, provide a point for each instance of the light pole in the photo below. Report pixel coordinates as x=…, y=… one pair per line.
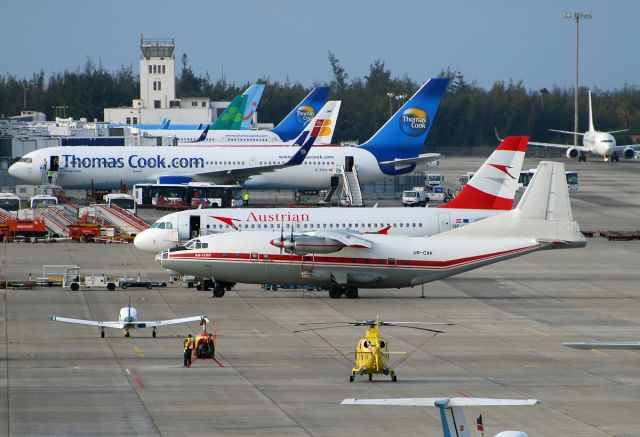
x=401, y=97
x=576, y=16
x=24, y=95
x=391, y=96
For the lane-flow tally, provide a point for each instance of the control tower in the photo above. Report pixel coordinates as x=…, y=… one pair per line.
x=157, y=73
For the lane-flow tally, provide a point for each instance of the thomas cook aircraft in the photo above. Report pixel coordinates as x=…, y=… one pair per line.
x=394, y=150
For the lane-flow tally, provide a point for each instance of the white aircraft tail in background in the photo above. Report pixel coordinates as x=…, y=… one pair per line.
x=452, y=418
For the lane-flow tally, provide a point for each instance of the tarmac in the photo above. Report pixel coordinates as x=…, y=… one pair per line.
x=510, y=320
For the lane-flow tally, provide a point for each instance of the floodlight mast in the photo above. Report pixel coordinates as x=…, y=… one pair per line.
x=576, y=16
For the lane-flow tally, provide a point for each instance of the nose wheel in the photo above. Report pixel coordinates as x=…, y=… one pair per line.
x=154, y=332
x=126, y=334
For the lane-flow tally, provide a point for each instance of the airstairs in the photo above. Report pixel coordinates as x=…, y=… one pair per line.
x=118, y=218
x=351, y=190
x=57, y=219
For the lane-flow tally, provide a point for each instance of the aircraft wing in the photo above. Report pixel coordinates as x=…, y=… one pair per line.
x=446, y=402
x=619, y=345
x=244, y=173
x=420, y=159
x=151, y=324
x=559, y=146
x=115, y=325
x=349, y=239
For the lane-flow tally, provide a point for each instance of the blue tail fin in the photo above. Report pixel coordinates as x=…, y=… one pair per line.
x=253, y=93
x=302, y=114
x=404, y=134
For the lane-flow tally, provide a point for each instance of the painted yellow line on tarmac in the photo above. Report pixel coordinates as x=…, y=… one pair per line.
x=604, y=354
x=139, y=352
x=535, y=331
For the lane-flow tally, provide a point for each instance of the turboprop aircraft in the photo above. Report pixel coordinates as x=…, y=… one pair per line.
x=108, y=167
x=489, y=192
x=594, y=142
x=342, y=260
x=127, y=320
x=452, y=417
x=394, y=150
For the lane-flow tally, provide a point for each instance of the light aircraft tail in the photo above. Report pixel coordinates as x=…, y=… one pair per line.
x=291, y=126
x=543, y=214
x=495, y=184
x=254, y=94
x=404, y=134
x=231, y=117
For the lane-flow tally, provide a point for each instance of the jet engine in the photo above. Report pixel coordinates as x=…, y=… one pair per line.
x=512, y=434
x=573, y=153
x=628, y=153
x=307, y=245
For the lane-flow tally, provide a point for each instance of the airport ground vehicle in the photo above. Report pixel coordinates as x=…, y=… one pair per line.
x=465, y=178
x=43, y=201
x=433, y=180
x=124, y=201
x=572, y=179
x=16, y=228
x=191, y=195
x=9, y=202
x=132, y=283
x=276, y=287
x=416, y=197
x=71, y=279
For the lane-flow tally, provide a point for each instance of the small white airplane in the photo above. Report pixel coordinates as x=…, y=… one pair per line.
x=594, y=142
x=490, y=192
x=342, y=260
x=128, y=319
x=452, y=417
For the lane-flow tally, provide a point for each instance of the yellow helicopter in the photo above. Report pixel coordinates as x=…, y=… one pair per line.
x=372, y=351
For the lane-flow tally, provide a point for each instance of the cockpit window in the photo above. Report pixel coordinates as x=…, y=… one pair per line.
x=26, y=160
x=191, y=244
x=162, y=225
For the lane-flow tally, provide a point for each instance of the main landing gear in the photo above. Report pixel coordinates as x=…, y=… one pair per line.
x=219, y=288
x=336, y=291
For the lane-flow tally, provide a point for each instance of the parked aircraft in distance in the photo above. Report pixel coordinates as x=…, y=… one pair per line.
x=227, y=129
x=342, y=260
x=594, y=142
x=127, y=320
x=490, y=191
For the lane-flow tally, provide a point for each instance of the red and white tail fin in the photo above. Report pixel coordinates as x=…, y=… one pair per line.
x=495, y=184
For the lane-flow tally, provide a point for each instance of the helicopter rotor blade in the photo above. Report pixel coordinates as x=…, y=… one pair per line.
x=325, y=323
x=418, y=328
x=402, y=324
x=321, y=327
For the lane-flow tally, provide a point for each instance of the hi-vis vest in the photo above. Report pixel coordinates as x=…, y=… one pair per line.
x=188, y=343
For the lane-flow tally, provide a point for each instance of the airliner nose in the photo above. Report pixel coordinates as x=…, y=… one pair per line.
x=14, y=170
x=145, y=241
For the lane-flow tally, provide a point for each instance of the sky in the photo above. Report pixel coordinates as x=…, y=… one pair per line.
x=488, y=41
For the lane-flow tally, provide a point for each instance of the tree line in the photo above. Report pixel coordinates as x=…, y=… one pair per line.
x=466, y=118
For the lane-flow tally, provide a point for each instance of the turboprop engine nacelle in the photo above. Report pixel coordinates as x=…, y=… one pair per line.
x=308, y=245
x=628, y=153
x=572, y=153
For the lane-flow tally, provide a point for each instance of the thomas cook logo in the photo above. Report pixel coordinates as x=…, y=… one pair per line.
x=304, y=114
x=414, y=122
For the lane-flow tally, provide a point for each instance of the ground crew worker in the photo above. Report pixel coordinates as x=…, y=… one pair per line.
x=245, y=199
x=189, y=344
x=50, y=175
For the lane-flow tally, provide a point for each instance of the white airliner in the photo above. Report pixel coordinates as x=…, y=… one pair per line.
x=594, y=142
x=295, y=122
x=109, y=167
x=490, y=191
x=342, y=260
x=452, y=417
x=394, y=150
x=127, y=320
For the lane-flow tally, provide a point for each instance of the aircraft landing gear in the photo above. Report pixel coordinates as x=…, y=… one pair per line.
x=335, y=292
x=126, y=334
x=582, y=157
x=351, y=292
x=370, y=376
x=101, y=332
x=352, y=377
x=154, y=332
x=394, y=378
